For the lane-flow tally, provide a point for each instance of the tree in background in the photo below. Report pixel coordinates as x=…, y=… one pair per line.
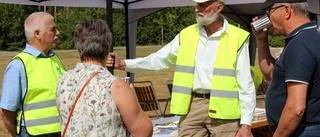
x=161, y=27
x=156, y=29
x=11, y=27
x=118, y=27
x=69, y=17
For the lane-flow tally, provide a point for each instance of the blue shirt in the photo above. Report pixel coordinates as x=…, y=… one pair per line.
x=14, y=81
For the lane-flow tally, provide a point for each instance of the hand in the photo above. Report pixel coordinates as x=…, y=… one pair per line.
x=110, y=59
x=114, y=61
x=131, y=86
x=244, y=131
x=9, y=120
x=263, y=34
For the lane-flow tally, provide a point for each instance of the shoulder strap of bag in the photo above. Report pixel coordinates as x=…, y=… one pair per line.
x=75, y=102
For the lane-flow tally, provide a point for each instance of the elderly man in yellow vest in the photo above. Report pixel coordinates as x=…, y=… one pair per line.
x=212, y=87
x=29, y=84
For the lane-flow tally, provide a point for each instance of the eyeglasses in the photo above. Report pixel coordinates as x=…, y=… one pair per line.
x=268, y=10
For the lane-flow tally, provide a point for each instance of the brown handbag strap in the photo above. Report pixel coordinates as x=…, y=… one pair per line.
x=75, y=102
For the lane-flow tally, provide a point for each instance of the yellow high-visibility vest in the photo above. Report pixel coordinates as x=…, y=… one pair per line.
x=224, y=101
x=257, y=76
x=39, y=103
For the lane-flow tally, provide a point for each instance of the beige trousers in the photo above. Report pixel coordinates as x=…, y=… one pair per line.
x=198, y=124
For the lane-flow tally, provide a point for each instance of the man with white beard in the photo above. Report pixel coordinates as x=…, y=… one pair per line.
x=213, y=91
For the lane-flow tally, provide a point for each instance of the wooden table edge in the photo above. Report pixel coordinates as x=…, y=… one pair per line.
x=260, y=123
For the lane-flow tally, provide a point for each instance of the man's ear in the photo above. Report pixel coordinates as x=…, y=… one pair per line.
x=37, y=34
x=288, y=12
x=219, y=7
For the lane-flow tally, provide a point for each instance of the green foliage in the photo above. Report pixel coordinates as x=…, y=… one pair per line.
x=16, y=46
x=69, y=17
x=171, y=20
x=156, y=29
x=276, y=41
x=119, y=27
x=11, y=27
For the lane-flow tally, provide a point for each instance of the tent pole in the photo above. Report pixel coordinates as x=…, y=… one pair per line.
x=126, y=12
x=110, y=24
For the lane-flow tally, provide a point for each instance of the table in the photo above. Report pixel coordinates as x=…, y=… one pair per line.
x=172, y=131
x=259, y=123
x=160, y=130
x=260, y=127
x=259, y=118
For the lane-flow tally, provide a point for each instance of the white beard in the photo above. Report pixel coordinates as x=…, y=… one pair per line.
x=207, y=19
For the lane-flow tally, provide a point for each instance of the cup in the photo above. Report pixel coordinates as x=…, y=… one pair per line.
x=261, y=23
x=126, y=79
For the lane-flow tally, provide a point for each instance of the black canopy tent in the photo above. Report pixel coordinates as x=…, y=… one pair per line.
x=241, y=11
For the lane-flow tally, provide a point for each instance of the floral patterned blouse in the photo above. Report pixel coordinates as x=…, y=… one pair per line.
x=95, y=114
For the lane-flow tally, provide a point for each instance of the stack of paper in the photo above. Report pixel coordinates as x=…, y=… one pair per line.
x=259, y=114
x=166, y=127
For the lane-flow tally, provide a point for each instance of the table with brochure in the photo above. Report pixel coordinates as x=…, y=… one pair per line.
x=168, y=127
x=259, y=118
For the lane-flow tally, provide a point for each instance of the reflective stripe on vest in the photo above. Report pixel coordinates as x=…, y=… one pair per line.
x=224, y=102
x=39, y=107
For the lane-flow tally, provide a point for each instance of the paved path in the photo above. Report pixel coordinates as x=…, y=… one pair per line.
x=275, y=51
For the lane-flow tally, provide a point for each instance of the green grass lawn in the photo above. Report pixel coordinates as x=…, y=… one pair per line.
x=70, y=58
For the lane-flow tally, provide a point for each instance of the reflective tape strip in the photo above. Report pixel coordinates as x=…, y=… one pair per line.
x=217, y=71
x=43, y=121
x=224, y=72
x=39, y=105
x=185, y=69
x=224, y=94
x=180, y=89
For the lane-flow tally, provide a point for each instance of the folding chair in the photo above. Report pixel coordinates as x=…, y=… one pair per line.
x=169, y=86
x=147, y=97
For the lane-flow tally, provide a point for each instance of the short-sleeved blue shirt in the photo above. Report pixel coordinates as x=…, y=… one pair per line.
x=299, y=62
x=14, y=81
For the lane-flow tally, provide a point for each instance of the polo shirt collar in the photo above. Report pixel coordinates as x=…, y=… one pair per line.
x=309, y=25
x=36, y=53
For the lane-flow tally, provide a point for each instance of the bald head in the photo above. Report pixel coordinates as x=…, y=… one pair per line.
x=36, y=21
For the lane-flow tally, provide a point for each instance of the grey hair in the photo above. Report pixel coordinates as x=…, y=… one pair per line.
x=220, y=1
x=300, y=8
x=33, y=23
x=93, y=40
